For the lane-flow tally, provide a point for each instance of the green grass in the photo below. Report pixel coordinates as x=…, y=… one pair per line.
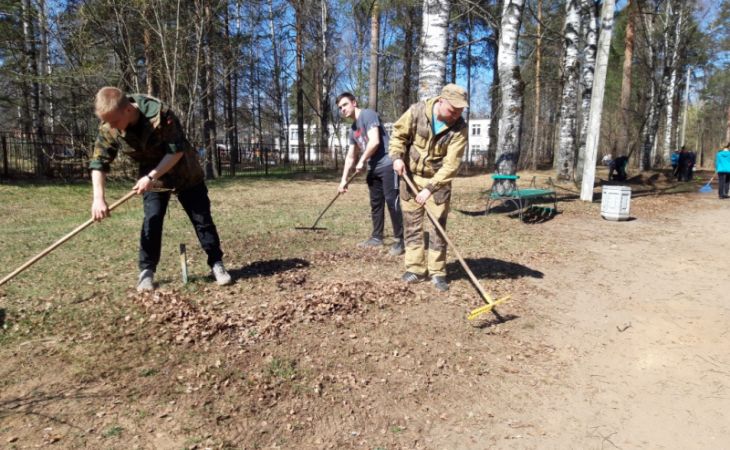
x=113, y=432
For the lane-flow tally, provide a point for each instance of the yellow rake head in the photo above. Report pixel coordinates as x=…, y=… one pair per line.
x=486, y=308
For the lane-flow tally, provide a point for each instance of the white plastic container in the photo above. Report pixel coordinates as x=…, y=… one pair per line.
x=615, y=202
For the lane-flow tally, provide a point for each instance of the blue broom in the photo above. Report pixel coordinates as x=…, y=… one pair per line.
x=707, y=188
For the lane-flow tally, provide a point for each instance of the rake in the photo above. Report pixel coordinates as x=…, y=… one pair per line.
x=490, y=302
x=58, y=243
x=707, y=188
x=314, y=227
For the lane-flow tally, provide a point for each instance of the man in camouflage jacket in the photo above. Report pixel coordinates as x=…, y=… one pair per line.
x=428, y=142
x=145, y=129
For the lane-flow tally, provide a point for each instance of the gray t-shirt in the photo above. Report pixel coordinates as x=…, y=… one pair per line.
x=367, y=120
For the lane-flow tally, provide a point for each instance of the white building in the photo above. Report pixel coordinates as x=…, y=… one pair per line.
x=339, y=142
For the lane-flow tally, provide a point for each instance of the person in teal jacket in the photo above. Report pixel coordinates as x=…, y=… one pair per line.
x=722, y=167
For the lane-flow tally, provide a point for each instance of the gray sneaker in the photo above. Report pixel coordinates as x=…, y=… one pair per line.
x=221, y=275
x=146, y=281
x=440, y=283
x=397, y=248
x=370, y=243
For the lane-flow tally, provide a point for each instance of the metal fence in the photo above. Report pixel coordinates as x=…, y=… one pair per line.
x=66, y=157
x=62, y=156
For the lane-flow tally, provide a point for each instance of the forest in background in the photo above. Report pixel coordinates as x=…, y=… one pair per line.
x=242, y=72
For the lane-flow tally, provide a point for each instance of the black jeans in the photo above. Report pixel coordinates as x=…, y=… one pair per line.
x=196, y=204
x=383, y=186
x=723, y=179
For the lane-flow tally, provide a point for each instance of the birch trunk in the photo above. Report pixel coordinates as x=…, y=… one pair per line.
x=599, y=86
x=374, y=41
x=512, y=87
x=672, y=89
x=432, y=64
x=658, y=94
x=565, y=160
x=589, y=13
x=538, y=81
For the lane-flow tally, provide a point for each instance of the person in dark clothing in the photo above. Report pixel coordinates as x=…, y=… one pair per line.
x=618, y=165
x=368, y=144
x=683, y=164
x=722, y=166
x=146, y=130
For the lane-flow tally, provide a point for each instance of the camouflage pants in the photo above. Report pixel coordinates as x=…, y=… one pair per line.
x=414, y=216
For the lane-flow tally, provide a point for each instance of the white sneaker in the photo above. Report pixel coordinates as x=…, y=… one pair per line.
x=146, y=281
x=221, y=275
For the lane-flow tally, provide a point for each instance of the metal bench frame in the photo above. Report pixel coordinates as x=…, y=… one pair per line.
x=521, y=198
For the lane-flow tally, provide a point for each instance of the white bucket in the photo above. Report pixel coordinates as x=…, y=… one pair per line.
x=615, y=202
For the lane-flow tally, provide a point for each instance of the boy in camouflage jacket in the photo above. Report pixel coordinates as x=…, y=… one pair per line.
x=144, y=128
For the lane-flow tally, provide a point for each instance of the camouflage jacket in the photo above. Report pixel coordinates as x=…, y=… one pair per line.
x=434, y=157
x=157, y=132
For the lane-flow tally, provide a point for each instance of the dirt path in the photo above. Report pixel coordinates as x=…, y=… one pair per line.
x=641, y=326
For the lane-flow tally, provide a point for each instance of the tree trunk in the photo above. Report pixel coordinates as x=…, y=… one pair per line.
x=37, y=113
x=512, y=88
x=282, y=130
x=432, y=64
x=230, y=71
x=374, y=41
x=565, y=161
x=589, y=13
x=625, y=132
x=673, y=64
x=538, y=62
x=408, y=41
x=46, y=65
x=324, y=110
x=454, y=52
x=495, y=105
x=596, y=108
x=300, y=82
x=208, y=91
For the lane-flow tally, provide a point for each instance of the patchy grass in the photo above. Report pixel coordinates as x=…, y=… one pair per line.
x=316, y=345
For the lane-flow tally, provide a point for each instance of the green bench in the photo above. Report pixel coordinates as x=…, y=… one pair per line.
x=522, y=199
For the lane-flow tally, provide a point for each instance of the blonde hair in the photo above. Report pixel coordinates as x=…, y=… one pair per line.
x=109, y=99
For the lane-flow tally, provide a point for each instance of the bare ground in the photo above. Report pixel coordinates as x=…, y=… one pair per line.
x=616, y=337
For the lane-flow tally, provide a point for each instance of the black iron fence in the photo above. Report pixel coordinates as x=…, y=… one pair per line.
x=51, y=156
x=66, y=156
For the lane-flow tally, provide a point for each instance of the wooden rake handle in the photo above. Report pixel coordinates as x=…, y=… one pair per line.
x=333, y=200
x=441, y=230
x=58, y=243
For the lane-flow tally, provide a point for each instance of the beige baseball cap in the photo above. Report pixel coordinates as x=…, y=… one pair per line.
x=456, y=95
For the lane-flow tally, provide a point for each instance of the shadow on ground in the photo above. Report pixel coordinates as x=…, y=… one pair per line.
x=491, y=268
x=267, y=268
x=36, y=404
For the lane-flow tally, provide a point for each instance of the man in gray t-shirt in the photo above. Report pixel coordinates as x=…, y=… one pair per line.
x=369, y=141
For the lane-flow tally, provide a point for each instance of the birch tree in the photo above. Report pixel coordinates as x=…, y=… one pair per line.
x=673, y=63
x=511, y=87
x=432, y=64
x=599, y=84
x=565, y=158
x=589, y=38
x=538, y=81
